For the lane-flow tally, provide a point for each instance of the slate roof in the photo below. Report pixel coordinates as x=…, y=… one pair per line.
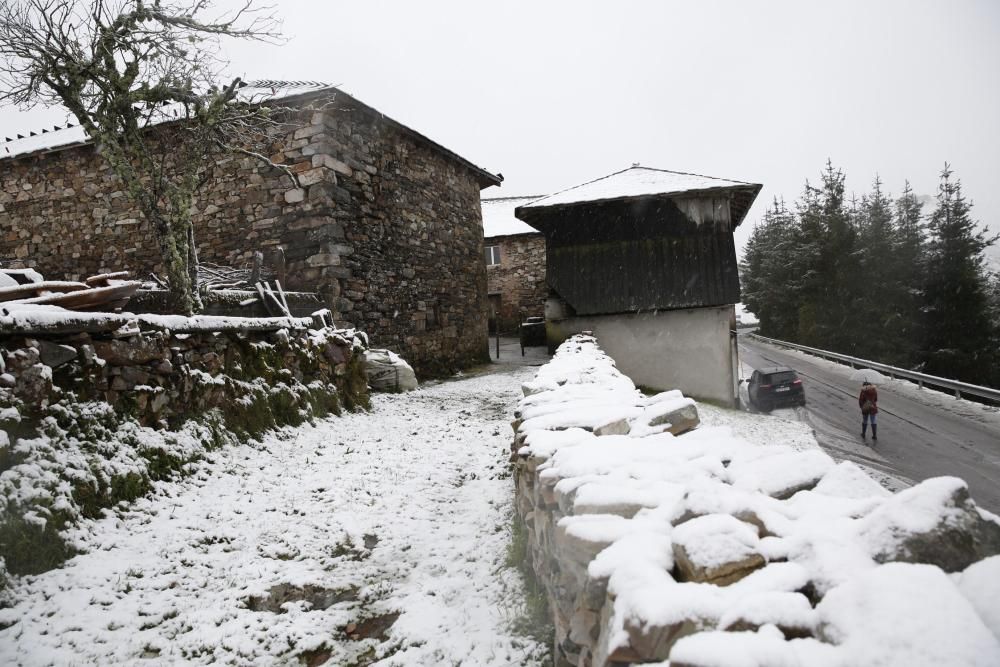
x=637, y=182
x=498, y=216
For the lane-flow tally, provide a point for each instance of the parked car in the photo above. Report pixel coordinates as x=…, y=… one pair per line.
x=773, y=387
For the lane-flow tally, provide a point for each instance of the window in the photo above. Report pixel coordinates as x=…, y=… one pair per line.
x=492, y=255
x=783, y=376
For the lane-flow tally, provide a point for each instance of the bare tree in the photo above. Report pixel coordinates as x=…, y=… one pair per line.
x=126, y=69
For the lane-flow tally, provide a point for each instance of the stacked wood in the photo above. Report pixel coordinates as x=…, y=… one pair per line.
x=105, y=292
x=216, y=277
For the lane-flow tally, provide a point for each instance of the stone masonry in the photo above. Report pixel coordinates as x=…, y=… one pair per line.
x=386, y=225
x=519, y=278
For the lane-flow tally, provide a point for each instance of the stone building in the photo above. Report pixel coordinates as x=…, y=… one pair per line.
x=386, y=225
x=645, y=259
x=515, y=264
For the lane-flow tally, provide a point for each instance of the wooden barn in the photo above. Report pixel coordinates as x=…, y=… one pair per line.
x=645, y=259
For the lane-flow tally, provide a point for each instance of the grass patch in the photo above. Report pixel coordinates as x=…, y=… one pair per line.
x=528, y=615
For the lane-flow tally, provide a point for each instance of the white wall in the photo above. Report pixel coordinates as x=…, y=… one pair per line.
x=690, y=350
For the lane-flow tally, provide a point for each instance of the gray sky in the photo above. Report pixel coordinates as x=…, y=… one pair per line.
x=552, y=94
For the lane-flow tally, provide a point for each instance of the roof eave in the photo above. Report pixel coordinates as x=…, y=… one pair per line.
x=750, y=190
x=484, y=178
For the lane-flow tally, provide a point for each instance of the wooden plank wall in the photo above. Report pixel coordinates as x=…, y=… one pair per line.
x=620, y=257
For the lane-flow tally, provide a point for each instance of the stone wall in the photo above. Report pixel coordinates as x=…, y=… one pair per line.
x=656, y=537
x=91, y=417
x=519, y=278
x=386, y=225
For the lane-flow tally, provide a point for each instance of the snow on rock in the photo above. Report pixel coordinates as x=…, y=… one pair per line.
x=791, y=612
x=848, y=480
x=779, y=471
x=732, y=545
x=716, y=548
x=936, y=522
x=766, y=647
x=905, y=614
x=980, y=584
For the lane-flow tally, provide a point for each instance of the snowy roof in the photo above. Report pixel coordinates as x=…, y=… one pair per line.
x=59, y=138
x=498, y=216
x=638, y=181
x=70, y=134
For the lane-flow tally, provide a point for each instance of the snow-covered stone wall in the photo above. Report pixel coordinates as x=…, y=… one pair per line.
x=94, y=408
x=658, y=539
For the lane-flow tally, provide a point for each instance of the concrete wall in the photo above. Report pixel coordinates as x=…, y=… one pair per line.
x=690, y=350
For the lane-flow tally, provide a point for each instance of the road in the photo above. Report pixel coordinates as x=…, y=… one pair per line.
x=917, y=438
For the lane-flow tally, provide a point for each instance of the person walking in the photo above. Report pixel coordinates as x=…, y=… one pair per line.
x=868, y=402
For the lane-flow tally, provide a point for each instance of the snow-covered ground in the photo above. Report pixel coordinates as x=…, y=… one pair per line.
x=376, y=538
x=368, y=538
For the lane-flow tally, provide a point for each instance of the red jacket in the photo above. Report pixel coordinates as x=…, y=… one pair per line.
x=868, y=393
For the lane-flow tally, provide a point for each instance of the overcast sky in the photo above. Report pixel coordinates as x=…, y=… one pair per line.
x=552, y=94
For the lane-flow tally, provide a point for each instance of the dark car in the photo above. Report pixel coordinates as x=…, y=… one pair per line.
x=775, y=387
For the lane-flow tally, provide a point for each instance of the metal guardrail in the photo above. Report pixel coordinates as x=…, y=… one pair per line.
x=921, y=378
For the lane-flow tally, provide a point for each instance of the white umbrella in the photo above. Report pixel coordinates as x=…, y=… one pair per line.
x=862, y=374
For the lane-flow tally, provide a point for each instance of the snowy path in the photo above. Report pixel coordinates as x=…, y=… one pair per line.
x=393, y=525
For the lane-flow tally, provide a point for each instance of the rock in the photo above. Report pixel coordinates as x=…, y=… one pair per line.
x=670, y=409
x=20, y=360
x=681, y=420
x=716, y=548
x=133, y=376
x=136, y=350
x=935, y=522
x=294, y=196
x=90, y=355
x=581, y=538
x=334, y=353
x=159, y=402
x=212, y=362
x=615, y=427
x=7, y=380
x=55, y=355
x=791, y=612
x=34, y=384
x=317, y=175
x=653, y=641
x=165, y=367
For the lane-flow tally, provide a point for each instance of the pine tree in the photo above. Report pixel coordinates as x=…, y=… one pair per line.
x=831, y=272
x=767, y=275
x=959, y=335
x=909, y=266
x=881, y=293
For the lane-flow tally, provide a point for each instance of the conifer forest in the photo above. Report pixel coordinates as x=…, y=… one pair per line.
x=880, y=277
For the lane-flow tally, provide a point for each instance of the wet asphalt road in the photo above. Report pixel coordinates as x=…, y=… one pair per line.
x=916, y=440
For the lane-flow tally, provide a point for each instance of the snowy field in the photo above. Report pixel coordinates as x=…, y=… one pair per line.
x=376, y=538
x=369, y=539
